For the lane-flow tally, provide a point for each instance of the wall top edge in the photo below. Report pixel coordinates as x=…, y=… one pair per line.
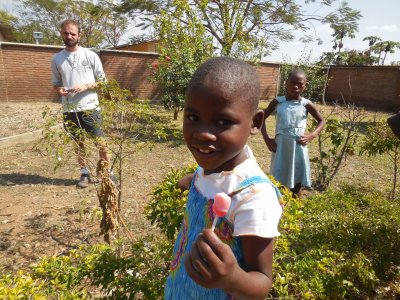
x=2, y=44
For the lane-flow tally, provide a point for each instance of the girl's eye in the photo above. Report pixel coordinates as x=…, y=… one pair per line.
x=192, y=118
x=223, y=122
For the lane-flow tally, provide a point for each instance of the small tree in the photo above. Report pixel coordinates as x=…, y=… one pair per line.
x=380, y=140
x=335, y=143
x=130, y=126
x=183, y=47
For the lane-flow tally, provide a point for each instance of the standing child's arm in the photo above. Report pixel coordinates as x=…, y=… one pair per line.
x=212, y=264
x=394, y=124
x=306, y=138
x=270, y=142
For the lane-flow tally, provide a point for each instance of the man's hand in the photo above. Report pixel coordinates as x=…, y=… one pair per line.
x=80, y=88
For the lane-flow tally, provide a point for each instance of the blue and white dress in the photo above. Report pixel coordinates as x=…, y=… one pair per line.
x=290, y=163
x=254, y=210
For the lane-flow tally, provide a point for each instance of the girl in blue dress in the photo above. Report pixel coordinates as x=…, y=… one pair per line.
x=234, y=261
x=290, y=163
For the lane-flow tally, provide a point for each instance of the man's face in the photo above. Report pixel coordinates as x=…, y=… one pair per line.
x=70, y=35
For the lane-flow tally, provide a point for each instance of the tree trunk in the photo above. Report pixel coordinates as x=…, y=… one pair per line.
x=176, y=111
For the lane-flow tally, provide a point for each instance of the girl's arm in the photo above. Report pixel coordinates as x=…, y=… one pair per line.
x=306, y=138
x=394, y=124
x=185, y=181
x=212, y=264
x=270, y=142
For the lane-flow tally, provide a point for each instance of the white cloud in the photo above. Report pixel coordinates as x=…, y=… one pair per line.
x=384, y=28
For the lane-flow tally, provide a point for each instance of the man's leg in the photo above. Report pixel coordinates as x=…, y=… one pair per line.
x=81, y=154
x=73, y=125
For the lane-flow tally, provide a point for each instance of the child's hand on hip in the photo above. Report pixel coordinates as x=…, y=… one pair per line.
x=211, y=263
x=305, y=139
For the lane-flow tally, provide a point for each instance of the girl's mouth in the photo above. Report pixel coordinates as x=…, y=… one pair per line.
x=204, y=151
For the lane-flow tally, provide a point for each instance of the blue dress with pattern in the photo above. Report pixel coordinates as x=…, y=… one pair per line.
x=290, y=163
x=199, y=215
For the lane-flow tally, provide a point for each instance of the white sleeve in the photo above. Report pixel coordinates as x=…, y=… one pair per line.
x=98, y=71
x=257, y=212
x=55, y=74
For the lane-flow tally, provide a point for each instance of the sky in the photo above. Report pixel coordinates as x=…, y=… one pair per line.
x=379, y=18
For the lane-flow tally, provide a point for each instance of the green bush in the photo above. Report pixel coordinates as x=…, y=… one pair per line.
x=168, y=203
x=92, y=271
x=346, y=248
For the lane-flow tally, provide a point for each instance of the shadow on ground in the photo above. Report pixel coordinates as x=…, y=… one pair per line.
x=19, y=179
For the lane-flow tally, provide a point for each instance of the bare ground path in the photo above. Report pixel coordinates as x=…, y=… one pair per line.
x=41, y=210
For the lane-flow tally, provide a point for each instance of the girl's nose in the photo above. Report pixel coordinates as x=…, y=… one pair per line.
x=204, y=135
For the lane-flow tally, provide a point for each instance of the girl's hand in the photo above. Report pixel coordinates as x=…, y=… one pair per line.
x=305, y=139
x=211, y=263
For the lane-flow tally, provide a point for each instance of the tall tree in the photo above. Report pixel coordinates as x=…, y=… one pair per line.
x=389, y=48
x=384, y=47
x=183, y=47
x=249, y=27
x=100, y=23
x=116, y=24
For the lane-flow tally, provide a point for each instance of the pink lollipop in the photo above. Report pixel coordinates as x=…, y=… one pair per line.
x=220, y=207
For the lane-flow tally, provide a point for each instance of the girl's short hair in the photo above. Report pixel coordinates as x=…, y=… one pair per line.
x=234, y=77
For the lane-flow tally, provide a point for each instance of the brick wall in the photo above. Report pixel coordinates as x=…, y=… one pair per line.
x=25, y=76
x=131, y=70
x=375, y=86
x=25, y=73
x=269, y=77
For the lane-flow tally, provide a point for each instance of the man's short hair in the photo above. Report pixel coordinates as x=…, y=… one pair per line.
x=71, y=22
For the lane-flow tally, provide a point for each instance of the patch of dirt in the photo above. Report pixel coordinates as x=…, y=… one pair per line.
x=22, y=117
x=41, y=210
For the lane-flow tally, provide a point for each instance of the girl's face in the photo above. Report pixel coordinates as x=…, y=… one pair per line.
x=216, y=129
x=295, y=86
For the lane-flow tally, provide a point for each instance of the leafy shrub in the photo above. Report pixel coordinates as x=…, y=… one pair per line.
x=380, y=140
x=335, y=143
x=95, y=270
x=168, y=203
x=346, y=247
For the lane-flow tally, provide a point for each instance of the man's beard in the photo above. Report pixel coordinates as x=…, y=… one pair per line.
x=71, y=43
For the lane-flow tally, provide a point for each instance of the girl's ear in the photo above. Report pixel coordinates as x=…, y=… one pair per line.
x=258, y=120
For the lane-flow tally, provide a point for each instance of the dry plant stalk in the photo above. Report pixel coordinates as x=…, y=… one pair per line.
x=108, y=198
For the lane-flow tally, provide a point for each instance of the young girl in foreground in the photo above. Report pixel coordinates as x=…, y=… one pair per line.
x=290, y=163
x=235, y=260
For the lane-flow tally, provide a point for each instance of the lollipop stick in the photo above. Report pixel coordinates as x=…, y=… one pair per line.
x=214, y=223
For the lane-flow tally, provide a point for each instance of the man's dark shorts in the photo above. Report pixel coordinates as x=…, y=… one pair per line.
x=83, y=122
